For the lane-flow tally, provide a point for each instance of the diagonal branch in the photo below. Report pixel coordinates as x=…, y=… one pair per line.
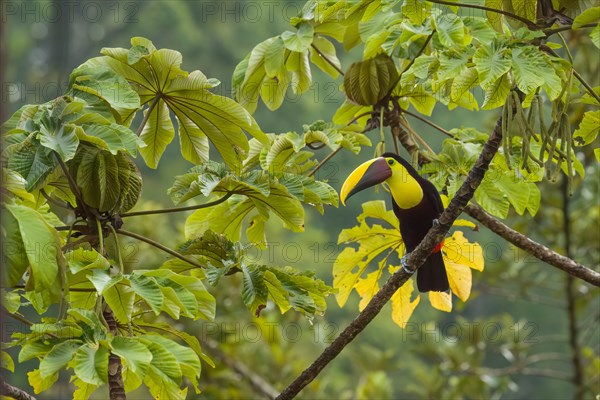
x=13, y=391
x=414, y=260
x=535, y=249
x=327, y=60
x=178, y=209
x=159, y=246
x=259, y=385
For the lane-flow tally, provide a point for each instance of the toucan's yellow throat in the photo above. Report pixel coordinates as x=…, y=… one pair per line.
x=405, y=189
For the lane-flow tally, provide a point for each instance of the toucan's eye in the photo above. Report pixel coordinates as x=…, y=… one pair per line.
x=391, y=162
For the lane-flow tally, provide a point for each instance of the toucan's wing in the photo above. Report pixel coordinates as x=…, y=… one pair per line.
x=433, y=196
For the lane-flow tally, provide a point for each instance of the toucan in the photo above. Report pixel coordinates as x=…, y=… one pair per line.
x=416, y=203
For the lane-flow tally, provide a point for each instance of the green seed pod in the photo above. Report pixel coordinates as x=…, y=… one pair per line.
x=369, y=81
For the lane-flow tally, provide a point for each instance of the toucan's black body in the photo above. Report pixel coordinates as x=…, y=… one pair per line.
x=415, y=221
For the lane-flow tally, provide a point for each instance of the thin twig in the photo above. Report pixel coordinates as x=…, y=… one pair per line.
x=159, y=246
x=259, y=385
x=55, y=202
x=530, y=24
x=432, y=124
x=323, y=161
x=147, y=116
x=178, y=209
x=551, y=31
x=414, y=260
x=327, y=60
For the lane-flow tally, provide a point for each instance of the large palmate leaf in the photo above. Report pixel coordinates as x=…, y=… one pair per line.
x=40, y=244
x=201, y=116
x=377, y=245
x=256, y=191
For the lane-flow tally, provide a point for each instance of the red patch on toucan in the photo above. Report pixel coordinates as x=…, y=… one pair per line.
x=438, y=247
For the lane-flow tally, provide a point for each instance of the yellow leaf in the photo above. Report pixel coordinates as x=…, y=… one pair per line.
x=464, y=222
x=402, y=307
x=367, y=288
x=441, y=300
x=374, y=240
x=38, y=384
x=377, y=209
x=460, y=279
x=457, y=249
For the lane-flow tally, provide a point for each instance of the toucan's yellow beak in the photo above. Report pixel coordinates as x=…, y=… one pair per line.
x=368, y=174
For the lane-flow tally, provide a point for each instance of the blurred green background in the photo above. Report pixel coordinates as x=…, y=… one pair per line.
x=480, y=350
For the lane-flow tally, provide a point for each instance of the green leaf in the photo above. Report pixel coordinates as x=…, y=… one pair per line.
x=595, y=36
x=525, y=9
x=58, y=357
x=326, y=57
x=300, y=40
x=164, y=375
x=147, y=288
x=136, y=53
x=496, y=93
x=42, y=245
x=297, y=63
x=14, y=256
x=61, y=139
x=416, y=11
x=103, y=83
x=254, y=291
x=7, y=362
x=587, y=17
x=450, y=30
x=91, y=364
x=463, y=83
x=30, y=160
x=531, y=70
x=491, y=198
x=120, y=298
x=491, y=63
x=157, y=133
x=588, y=128
x=188, y=360
x=133, y=352
x=111, y=137
x=275, y=57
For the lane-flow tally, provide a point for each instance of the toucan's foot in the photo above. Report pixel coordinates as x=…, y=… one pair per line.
x=405, y=265
x=436, y=222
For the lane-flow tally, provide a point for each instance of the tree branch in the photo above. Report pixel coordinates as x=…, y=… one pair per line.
x=327, y=60
x=13, y=391
x=428, y=122
x=552, y=31
x=414, y=260
x=261, y=386
x=159, y=246
x=177, y=209
x=530, y=24
x=323, y=161
x=147, y=116
x=536, y=249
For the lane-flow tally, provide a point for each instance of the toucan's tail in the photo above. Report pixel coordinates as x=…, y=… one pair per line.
x=432, y=275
